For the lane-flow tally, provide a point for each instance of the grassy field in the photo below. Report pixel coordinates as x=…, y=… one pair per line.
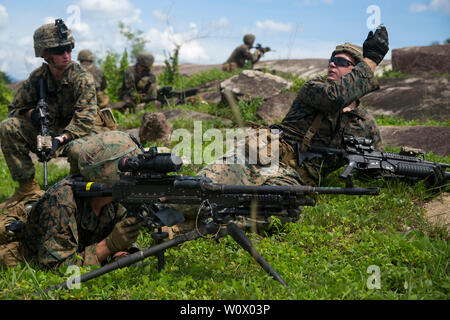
x=346, y=247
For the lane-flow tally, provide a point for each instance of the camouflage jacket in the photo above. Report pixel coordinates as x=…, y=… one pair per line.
x=137, y=87
x=62, y=229
x=72, y=102
x=241, y=54
x=330, y=97
x=99, y=76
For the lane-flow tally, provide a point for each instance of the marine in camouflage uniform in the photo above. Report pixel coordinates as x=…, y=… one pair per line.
x=242, y=54
x=63, y=229
x=86, y=58
x=72, y=109
x=320, y=115
x=139, y=83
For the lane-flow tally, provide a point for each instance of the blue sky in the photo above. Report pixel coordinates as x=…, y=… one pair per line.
x=208, y=30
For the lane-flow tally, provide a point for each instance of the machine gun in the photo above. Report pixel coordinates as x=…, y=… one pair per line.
x=166, y=93
x=147, y=184
x=44, y=140
x=362, y=157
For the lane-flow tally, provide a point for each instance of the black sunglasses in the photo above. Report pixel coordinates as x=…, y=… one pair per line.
x=340, y=62
x=61, y=50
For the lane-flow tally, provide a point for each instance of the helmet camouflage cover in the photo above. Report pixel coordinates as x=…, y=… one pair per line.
x=85, y=55
x=52, y=35
x=352, y=49
x=145, y=59
x=99, y=157
x=249, y=39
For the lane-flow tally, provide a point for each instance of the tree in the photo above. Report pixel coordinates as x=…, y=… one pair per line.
x=137, y=42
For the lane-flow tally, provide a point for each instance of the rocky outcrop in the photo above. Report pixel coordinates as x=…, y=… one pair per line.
x=274, y=109
x=422, y=60
x=251, y=84
x=434, y=139
x=413, y=98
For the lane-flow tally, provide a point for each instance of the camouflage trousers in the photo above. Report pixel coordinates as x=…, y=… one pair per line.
x=18, y=138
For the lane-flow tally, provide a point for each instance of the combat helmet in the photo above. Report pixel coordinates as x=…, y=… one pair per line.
x=99, y=156
x=352, y=49
x=145, y=59
x=52, y=35
x=249, y=39
x=85, y=55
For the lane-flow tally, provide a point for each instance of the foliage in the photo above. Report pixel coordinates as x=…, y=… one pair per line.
x=383, y=120
x=137, y=42
x=170, y=75
x=6, y=96
x=114, y=67
x=391, y=74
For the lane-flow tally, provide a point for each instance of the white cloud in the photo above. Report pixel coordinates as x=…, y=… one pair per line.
x=222, y=22
x=270, y=25
x=121, y=10
x=165, y=41
x=3, y=16
x=161, y=15
x=417, y=7
x=440, y=6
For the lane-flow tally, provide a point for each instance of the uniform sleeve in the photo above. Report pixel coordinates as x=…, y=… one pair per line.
x=86, y=109
x=26, y=98
x=333, y=96
x=59, y=246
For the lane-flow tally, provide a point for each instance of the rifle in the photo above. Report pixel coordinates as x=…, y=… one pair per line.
x=147, y=184
x=44, y=140
x=261, y=48
x=362, y=157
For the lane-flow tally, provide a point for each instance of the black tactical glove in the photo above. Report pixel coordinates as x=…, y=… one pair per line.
x=35, y=118
x=56, y=144
x=376, y=45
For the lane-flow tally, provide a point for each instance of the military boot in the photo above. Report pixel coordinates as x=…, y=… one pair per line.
x=28, y=189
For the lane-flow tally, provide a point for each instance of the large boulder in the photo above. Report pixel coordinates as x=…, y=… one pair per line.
x=275, y=108
x=412, y=98
x=251, y=84
x=422, y=60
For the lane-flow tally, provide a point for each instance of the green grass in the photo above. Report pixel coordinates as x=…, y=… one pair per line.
x=324, y=256
x=383, y=120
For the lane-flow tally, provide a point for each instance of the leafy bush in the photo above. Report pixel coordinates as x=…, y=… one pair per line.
x=6, y=96
x=114, y=67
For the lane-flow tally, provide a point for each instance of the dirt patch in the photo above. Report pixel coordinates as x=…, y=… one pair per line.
x=438, y=210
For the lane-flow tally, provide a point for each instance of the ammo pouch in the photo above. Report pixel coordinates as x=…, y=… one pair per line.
x=108, y=118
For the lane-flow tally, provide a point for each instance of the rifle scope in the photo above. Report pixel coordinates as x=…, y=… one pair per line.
x=161, y=162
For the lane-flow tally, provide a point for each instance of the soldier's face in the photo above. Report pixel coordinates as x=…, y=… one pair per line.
x=59, y=59
x=336, y=72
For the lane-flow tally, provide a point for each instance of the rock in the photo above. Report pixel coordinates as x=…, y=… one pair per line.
x=274, y=109
x=436, y=211
x=307, y=68
x=155, y=127
x=251, y=83
x=412, y=98
x=211, y=97
x=422, y=137
x=422, y=60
